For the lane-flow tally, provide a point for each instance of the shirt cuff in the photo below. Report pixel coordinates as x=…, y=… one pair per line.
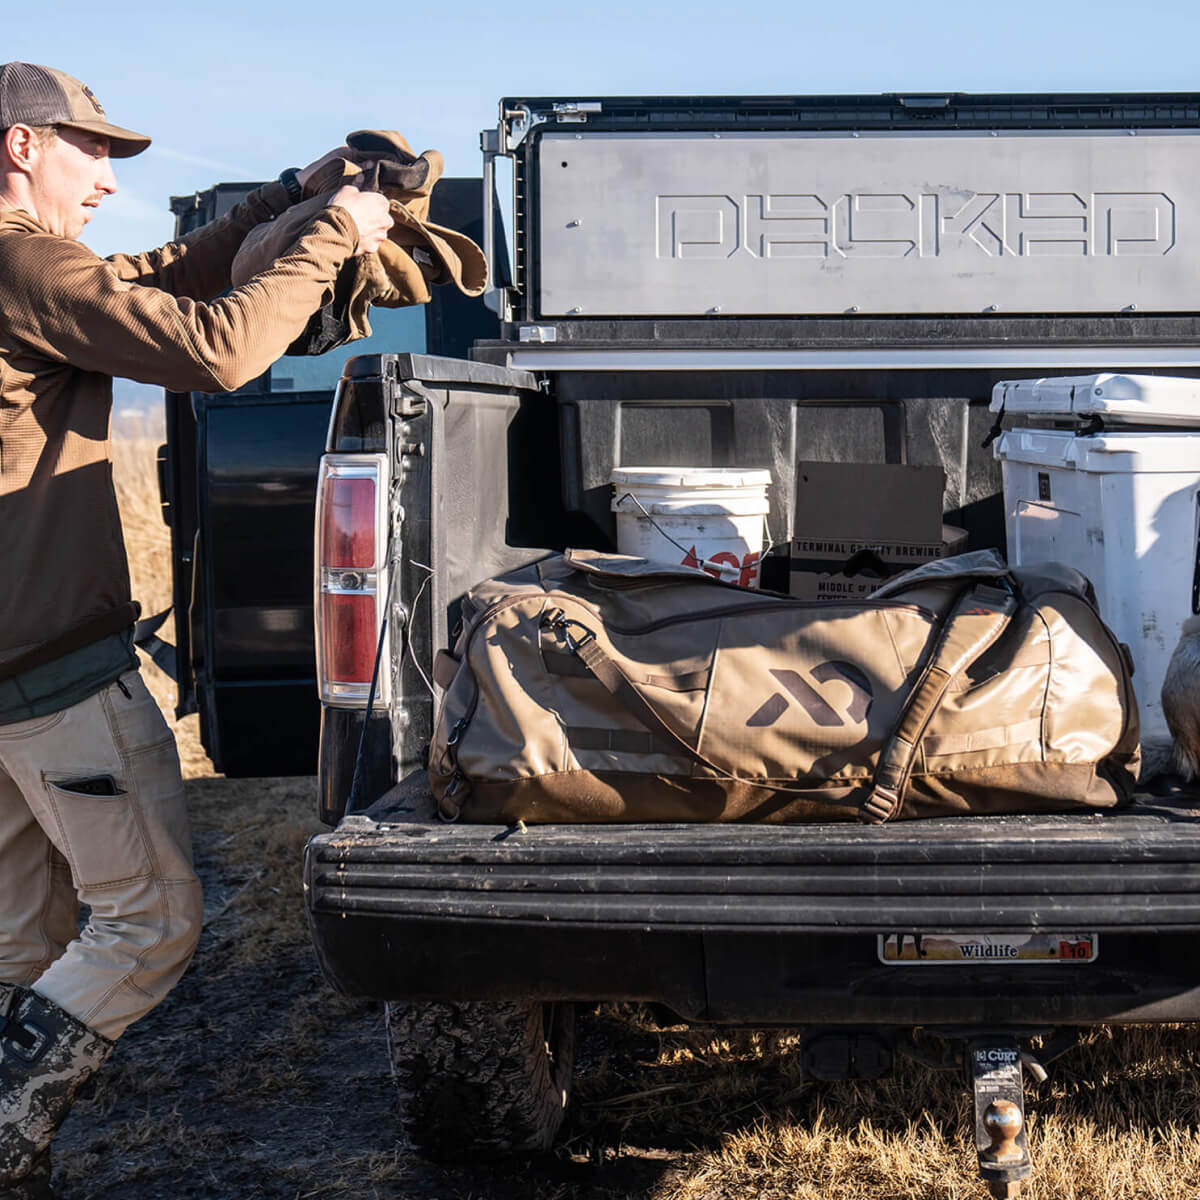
x=274, y=196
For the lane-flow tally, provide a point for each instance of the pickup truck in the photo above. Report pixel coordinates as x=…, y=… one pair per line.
x=695, y=281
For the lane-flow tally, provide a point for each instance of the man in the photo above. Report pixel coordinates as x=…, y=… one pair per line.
x=91, y=802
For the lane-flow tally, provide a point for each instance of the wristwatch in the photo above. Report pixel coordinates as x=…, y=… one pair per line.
x=290, y=178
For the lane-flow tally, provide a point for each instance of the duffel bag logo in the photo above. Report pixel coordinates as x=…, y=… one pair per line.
x=812, y=701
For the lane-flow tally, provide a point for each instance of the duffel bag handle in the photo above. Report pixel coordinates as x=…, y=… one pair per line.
x=978, y=618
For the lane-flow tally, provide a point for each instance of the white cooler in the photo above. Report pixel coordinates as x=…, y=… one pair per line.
x=1120, y=504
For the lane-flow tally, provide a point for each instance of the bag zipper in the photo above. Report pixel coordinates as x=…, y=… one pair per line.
x=626, y=583
x=735, y=610
x=618, y=583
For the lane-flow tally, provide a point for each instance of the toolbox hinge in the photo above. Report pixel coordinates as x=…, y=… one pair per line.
x=412, y=398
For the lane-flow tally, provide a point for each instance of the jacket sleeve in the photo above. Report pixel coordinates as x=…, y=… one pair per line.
x=69, y=306
x=197, y=266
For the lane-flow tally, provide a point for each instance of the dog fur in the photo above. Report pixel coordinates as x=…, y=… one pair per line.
x=1181, y=701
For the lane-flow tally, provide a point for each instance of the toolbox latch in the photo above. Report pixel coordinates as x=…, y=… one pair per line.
x=575, y=112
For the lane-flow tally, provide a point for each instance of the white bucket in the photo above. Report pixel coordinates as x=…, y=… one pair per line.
x=710, y=517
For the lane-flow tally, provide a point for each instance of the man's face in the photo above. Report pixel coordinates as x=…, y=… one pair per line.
x=72, y=175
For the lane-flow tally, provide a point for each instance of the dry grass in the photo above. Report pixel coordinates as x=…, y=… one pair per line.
x=146, y=535
x=708, y=1116
x=1118, y=1120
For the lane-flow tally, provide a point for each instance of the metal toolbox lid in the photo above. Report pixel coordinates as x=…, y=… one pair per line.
x=760, y=223
x=1118, y=399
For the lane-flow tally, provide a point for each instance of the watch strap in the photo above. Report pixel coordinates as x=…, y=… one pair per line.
x=290, y=178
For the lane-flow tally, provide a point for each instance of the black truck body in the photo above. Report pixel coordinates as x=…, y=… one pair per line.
x=628, y=357
x=238, y=477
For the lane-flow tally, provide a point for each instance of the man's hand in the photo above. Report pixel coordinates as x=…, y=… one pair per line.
x=371, y=215
x=354, y=156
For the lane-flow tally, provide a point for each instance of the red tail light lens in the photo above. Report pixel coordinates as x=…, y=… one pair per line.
x=348, y=525
x=348, y=634
x=351, y=576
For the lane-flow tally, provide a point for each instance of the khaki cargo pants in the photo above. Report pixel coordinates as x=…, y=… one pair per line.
x=92, y=812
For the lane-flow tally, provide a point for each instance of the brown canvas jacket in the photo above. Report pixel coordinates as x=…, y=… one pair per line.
x=69, y=321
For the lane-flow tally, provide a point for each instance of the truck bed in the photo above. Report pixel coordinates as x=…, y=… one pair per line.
x=402, y=905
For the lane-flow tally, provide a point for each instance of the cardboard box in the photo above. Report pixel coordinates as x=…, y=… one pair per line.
x=859, y=524
x=869, y=502
x=853, y=569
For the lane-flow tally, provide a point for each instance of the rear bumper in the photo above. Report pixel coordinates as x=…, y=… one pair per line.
x=764, y=924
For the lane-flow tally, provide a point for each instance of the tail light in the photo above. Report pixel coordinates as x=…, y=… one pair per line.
x=351, y=577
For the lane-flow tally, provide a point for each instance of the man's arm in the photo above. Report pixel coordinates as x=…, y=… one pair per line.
x=197, y=266
x=72, y=307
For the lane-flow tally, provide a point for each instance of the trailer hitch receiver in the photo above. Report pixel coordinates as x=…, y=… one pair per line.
x=994, y=1065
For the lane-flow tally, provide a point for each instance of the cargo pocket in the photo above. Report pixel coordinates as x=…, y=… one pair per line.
x=100, y=828
x=151, y=763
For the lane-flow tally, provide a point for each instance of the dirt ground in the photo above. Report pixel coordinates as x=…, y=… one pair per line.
x=254, y=1080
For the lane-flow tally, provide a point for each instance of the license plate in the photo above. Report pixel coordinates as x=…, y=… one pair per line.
x=981, y=949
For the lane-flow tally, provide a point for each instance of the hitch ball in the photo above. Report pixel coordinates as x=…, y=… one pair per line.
x=1003, y=1122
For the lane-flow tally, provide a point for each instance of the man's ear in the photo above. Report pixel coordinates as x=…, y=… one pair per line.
x=21, y=148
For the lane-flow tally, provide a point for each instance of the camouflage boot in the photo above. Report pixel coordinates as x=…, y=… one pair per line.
x=45, y=1055
x=35, y=1185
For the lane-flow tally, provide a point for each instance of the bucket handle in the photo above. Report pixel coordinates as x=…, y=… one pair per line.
x=703, y=562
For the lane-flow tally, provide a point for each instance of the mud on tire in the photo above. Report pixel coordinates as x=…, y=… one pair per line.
x=482, y=1078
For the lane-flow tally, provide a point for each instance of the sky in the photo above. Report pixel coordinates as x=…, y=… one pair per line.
x=237, y=91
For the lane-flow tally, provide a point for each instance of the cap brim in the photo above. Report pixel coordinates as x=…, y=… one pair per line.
x=122, y=143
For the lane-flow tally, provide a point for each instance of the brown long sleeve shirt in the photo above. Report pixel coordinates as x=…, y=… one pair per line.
x=69, y=322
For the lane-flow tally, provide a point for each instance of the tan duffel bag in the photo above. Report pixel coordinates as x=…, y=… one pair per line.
x=594, y=687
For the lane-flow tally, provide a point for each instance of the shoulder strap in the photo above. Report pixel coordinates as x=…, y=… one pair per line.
x=978, y=618
x=620, y=687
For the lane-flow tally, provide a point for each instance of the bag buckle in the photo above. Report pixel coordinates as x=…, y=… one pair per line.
x=574, y=644
x=879, y=806
x=558, y=620
x=24, y=1040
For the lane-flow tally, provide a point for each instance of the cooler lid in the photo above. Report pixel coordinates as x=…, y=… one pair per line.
x=1117, y=399
x=1103, y=454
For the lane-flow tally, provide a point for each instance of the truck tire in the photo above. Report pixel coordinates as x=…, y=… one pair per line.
x=483, y=1078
